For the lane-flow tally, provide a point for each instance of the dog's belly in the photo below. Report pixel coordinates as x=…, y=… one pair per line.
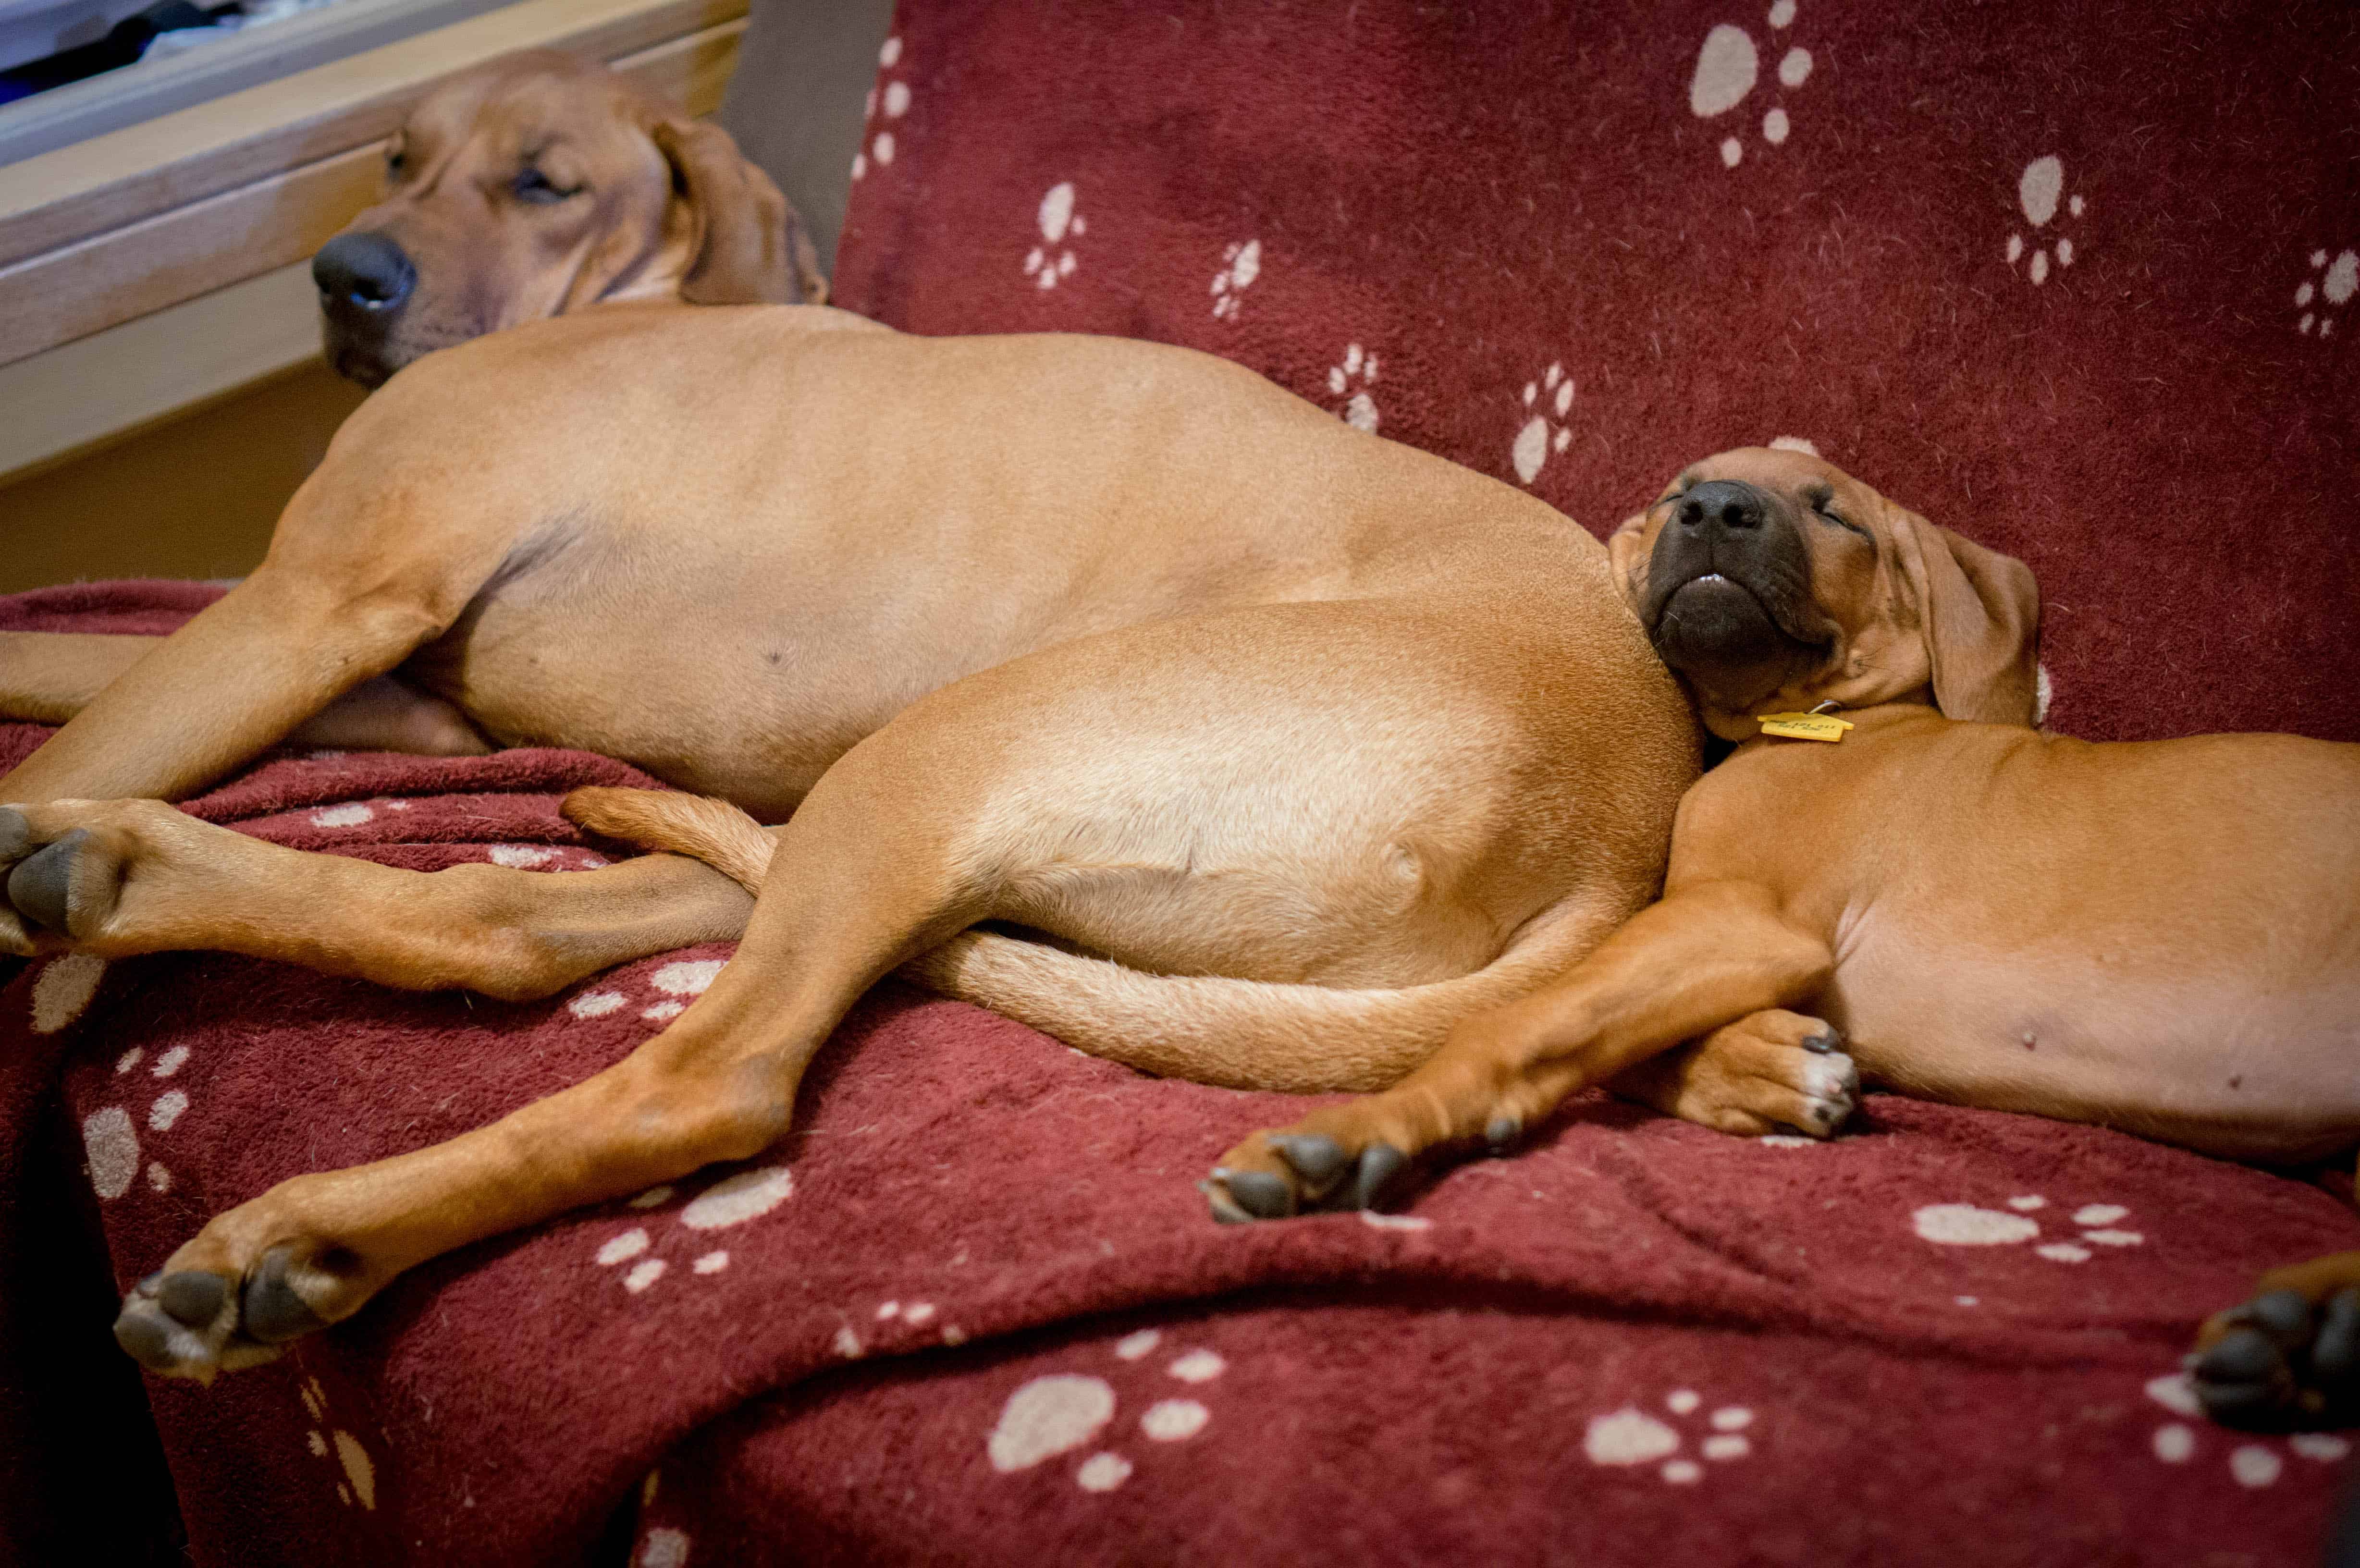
x=2210, y=1055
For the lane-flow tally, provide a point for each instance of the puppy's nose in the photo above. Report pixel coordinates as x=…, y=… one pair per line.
x=1728, y=502
x=367, y=272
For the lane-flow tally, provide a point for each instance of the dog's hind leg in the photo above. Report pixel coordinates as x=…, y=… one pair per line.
x=869, y=870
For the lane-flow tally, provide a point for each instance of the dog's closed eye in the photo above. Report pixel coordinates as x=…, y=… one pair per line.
x=532, y=185
x=1822, y=501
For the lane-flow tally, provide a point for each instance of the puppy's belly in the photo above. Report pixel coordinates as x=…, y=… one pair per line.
x=2215, y=1061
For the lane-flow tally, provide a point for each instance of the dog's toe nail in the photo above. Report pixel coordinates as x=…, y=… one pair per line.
x=1503, y=1133
x=1318, y=1157
x=145, y=1336
x=1261, y=1194
x=2335, y=1353
x=192, y=1296
x=1225, y=1212
x=2242, y=1356
x=38, y=886
x=15, y=833
x=273, y=1312
x=2286, y=1313
x=1380, y=1162
x=1825, y=1042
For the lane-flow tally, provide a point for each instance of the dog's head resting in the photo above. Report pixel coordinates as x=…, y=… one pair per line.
x=1772, y=580
x=539, y=184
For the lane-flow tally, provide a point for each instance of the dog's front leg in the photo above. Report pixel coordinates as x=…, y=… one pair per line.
x=48, y=678
x=1706, y=957
x=244, y=672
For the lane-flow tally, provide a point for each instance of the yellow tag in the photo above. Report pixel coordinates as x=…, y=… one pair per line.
x=1805, y=727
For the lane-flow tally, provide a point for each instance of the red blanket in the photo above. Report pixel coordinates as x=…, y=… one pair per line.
x=2074, y=280
x=1640, y=1335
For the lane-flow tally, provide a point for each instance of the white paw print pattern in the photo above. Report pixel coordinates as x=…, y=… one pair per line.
x=1727, y=67
x=325, y=1439
x=2337, y=282
x=1630, y=1437
x=1241, y=265
x=1352, y=381
x=543, y=858
x=110, y=1140
x=1046, y=263
x=63, y=990
x=891, y=95
x=678, y=983
x=2251, y=1464
x=1538, y=439
x=2037, y=191
x=1964, y=1224
x=1064, y=1411
x=732, y=1201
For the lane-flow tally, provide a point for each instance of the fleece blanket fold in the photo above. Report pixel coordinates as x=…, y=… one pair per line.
x=972, y=1308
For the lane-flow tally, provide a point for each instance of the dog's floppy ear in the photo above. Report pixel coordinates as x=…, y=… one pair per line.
x=1982, y=615
x=748, y=245
x=1626, y=557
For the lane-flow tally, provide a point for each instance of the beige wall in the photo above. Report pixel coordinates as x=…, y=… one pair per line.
x=193, y=497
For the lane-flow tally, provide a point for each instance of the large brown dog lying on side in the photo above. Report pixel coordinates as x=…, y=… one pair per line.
x=1303, y=743
x=538, y=185
x=2162, y=937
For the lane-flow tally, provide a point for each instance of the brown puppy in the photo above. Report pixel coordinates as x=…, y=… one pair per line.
x=1304, y=744
x=1990, y=916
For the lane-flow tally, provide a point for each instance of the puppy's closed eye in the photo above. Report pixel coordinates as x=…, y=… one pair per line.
x=1822, y=501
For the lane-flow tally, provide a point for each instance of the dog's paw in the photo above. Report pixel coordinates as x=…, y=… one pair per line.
x=1771, y=1071
x=2287, y=1358
x=245, y=1285
x=62, y=867
x=1276, y=1175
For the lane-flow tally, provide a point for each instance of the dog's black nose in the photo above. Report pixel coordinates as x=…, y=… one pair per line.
x=1730, y=503
x=367, y=272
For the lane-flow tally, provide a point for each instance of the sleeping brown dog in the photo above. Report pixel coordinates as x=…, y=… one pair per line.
x=536, y=185
x=539, y=185
x=2161, y=937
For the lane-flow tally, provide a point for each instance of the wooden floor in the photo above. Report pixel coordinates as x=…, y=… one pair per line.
x=195, y=497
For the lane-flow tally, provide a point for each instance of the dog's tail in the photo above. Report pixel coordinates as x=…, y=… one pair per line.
x=1240, y=1034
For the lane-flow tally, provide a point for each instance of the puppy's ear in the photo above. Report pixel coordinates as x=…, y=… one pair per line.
x=1626, y=556
x=748, y=245
x=1982, y=614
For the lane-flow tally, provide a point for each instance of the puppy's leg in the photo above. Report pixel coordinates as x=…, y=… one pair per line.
x=871, y=870
x=2290, y=1356
x=118, y=878
x=48, y=677
x=1769, y=1072
x=1702, y=958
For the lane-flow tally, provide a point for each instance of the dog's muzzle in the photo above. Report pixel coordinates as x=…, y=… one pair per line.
x=1721, y=577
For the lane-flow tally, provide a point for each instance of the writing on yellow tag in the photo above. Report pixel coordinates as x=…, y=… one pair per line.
x=1805, y=727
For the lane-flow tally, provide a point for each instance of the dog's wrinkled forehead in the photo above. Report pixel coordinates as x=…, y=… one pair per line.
x=1802, y=476
x=520, y=109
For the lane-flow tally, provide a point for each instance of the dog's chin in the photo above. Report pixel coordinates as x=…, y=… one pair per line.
x=371, y=365
x=1715, y=632
x=371, y=359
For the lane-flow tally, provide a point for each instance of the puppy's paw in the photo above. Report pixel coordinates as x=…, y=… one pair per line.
x=2287, y=1359
x=1276, y=1175
x=1771, y=1071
